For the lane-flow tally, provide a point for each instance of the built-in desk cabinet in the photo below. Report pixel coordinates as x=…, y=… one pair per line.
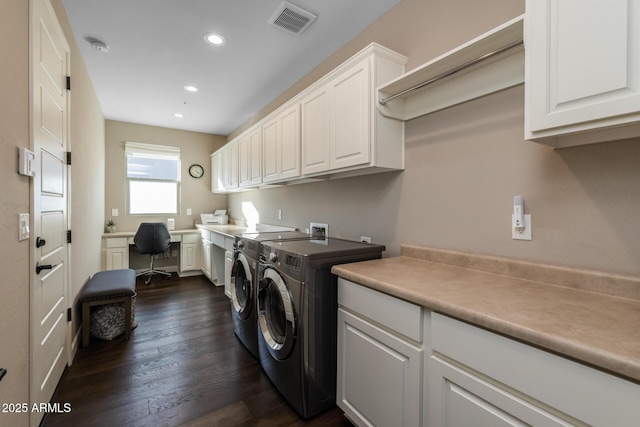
x=582, y=71
x=116, y=252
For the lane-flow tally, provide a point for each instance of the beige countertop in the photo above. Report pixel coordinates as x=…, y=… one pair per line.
x=133, y=233
x=592, y=317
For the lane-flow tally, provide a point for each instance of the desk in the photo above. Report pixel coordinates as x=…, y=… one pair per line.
x=115, y=247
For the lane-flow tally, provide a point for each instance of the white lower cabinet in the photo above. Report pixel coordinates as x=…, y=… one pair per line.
x=190, y=254
x=479, y=378
x=402, y=365
x=379, y=358
x=117, y=253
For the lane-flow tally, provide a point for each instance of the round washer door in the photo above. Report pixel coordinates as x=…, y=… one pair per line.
x=276, y=316
x=241, y=287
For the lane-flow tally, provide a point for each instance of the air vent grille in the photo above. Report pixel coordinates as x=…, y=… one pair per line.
x=291, y=18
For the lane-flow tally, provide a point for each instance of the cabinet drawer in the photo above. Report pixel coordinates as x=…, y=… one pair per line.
x=191, y=238
x=116, y=242
x=590, y=395
x=400, y=316
x=217, y=239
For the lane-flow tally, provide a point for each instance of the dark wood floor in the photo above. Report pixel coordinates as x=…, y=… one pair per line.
x=182, y=366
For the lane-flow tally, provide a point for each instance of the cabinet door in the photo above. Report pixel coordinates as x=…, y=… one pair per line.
x=379, y=375
x=255, y=156
x=281, y=146
x=189, y=257
x=270, y=135
x=351, y=117
x=582, y=64
x=244, y=161
x=249, y=159
x=314, y=112
x=117, y=258
x=233, y=165
x=290, y=143
x=217, y=181
x=206, y=258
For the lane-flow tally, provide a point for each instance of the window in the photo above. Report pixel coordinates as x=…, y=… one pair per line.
x=153, y=178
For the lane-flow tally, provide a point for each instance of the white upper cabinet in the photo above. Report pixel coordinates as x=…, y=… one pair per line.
x=582, y=71
x=250, y=158
x=342, y=130
x=332, y=129
x=281, y=146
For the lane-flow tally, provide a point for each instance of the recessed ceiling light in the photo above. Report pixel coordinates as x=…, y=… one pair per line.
x=215, y=39
x=178, y=115
x=190, y=88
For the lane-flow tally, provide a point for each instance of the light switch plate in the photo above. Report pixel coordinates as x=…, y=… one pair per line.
x=23, y=226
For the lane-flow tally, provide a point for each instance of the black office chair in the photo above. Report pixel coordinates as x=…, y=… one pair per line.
x=152, y=238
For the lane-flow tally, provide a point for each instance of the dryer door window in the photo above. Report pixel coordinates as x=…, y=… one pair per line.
x=276, y=316
x=241, y=287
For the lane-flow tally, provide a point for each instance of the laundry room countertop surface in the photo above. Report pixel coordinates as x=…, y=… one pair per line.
x=589, y=316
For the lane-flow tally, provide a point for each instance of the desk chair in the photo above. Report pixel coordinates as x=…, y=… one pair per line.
x=152, y=238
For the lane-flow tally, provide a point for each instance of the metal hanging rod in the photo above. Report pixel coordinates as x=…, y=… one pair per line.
x=471, y=63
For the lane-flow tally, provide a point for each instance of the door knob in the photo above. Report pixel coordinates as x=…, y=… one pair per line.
x=40, y=267
x=40, y=242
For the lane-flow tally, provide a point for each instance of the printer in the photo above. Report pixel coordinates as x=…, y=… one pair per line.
x=219, y=216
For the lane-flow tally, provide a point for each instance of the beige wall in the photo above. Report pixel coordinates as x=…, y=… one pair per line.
x=465, y=164
x=195, y=193
x=87, y=193
x=14, y=255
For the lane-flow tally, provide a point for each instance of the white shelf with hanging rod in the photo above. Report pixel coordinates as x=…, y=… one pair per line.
x=489, y=63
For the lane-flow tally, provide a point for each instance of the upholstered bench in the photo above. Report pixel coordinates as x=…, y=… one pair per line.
x=108, y=287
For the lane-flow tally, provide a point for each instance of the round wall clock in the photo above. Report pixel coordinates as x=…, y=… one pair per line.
x=196, y=171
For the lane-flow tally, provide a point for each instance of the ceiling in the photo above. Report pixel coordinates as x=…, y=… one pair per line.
x=156, y=47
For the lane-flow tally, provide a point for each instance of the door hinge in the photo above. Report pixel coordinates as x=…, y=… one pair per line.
x=68, y=236
x=69, y=158
x=68, y=82
x=69, y=314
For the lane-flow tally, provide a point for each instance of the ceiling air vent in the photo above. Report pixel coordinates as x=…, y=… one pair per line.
x=291, y=18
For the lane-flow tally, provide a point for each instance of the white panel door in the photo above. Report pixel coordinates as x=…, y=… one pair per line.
x=50, y=133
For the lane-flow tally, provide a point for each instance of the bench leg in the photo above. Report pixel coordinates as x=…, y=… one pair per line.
x=86, y=319
x=127, y=317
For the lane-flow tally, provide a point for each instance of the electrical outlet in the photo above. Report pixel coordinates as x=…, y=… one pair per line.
x=319, y=229
x=189, y=211
x=279, y=213
x=365, y=239
x=523, y=233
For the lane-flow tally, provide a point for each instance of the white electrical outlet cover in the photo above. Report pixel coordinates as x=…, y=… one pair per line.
x=525, y=234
